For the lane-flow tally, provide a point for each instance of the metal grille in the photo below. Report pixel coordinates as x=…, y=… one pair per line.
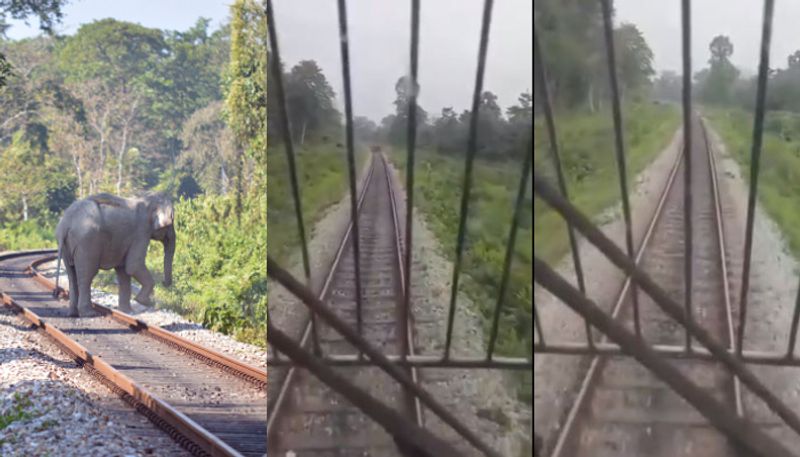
x=625, y=342
x=410, y=435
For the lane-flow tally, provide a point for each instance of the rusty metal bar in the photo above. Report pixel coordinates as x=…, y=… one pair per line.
x=380, y=360
x=286, y=132
x=755, y=159
x=512, y=241
x=408, y=435
x=472, y=147
x=686, y=29
x=752, y=439
x=541, y=75
x=351, y=160
x=619, y=142
x=662, y=299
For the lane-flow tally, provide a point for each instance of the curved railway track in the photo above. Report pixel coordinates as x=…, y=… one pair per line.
x=209, y=403
x=621, y=409
x=307, y=417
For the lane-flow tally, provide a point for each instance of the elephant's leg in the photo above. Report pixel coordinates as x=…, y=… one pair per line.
x=146, y=280
x=73, y=290
x=124, y=280
x=85, y=275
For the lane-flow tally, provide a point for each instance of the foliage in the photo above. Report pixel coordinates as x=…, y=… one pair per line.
x=20, y=409
x=219, y=268
x=587, y=154
x=716, y=84
x=779, y=168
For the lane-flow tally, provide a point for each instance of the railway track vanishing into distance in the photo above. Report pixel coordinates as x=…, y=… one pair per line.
x=623, y=410
x=209, y=403
x=307, y=417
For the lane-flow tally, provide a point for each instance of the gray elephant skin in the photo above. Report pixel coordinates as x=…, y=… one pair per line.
x=104, y=232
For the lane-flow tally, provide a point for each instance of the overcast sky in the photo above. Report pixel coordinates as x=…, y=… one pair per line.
x=162, y=14
x=379, y=49
x=740, y=20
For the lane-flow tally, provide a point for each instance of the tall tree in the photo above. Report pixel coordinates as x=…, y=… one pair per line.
x=717, y=85
x=310, y=100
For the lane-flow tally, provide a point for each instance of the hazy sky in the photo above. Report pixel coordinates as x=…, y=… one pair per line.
x=740, y=20
x=163, y=14
x=379, y=49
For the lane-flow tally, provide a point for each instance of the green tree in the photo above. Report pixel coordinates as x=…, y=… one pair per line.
x=310, y=100
x=717, y=85
x=634, y=58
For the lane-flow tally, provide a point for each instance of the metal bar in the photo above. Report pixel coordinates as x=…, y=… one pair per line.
x=753, y=439
x=541, y=75
x=286, y=132
x=686, y=26
x=662, y=299
x=472, y=147
x=418, y=441
x=538, y=323
x=351, y=160
x=720, y=223
x=793, y=331
x=411, y=144
x=380, y=360
x=770, y=358
x=512, y=241
x=608, y=28
x=755, y=159
x=422, y=361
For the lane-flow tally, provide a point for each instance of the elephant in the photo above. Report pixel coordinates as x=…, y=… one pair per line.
x=104, y=231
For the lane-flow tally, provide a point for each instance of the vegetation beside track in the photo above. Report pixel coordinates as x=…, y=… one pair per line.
x=587, y=151
x=323, y=180
x=779, y=168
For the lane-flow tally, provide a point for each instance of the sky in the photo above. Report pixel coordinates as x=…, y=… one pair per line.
x=379, y=49
x=740, y=20
x=163, y=14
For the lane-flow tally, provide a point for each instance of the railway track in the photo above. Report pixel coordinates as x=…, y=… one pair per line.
x=307, y=417
x=209, y=403
x=622, y=410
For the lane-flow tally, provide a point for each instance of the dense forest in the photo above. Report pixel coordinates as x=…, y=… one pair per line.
x=122, y=108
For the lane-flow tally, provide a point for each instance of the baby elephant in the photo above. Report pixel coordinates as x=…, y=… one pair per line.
x=105, y=231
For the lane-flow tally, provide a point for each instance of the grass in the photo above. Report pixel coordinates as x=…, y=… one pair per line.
x=20, y=410
x=588, y=159
x=323, y=181
x=437, y=188
x=779, y=171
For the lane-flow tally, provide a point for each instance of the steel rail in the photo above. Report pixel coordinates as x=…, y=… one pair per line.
x=663, y=300
x=277, y=405
x=754, y=440
x=595, y=367
x=379, y=359
x=720, y=223
x=184, y=430
x=416, y=361
x=243, y=370
x=407, y=328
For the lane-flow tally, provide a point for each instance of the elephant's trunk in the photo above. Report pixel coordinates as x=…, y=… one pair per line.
x=169, y=254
